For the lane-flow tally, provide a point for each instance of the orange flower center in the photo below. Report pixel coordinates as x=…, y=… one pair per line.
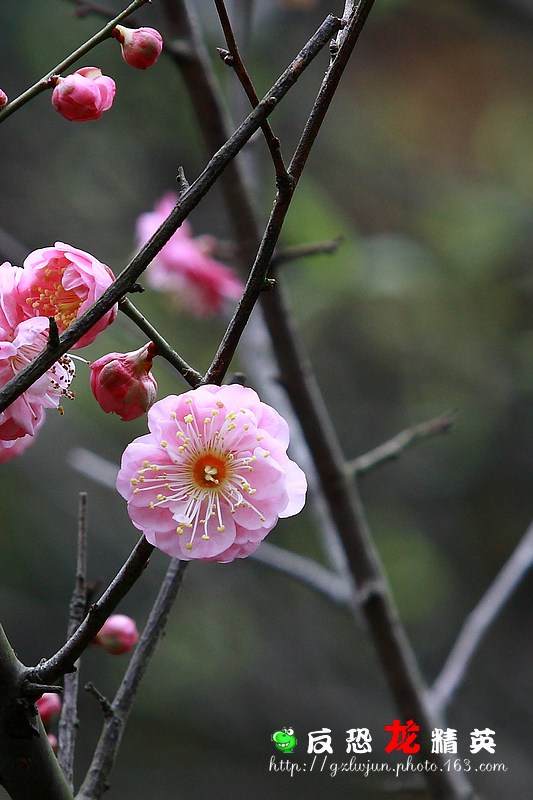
x=209, y=471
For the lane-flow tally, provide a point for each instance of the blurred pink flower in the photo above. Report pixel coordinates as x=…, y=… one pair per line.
x=184, y=266
x=122, y=382
x=49, y=706
x=63, y=282
x=3, y=98
x=117, y=635
x=212, y=477
x=83, y=95
x=141, y=47
x=21, y=340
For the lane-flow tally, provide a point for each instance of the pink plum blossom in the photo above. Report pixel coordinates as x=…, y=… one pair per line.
x=141, y=47
x=184, y=267
x=3, y=98
x=83, y=95
x=49, y=706
x=117, y=635
x=212, y=477
x=122, y=382
x=22, y=338
x=63, y=282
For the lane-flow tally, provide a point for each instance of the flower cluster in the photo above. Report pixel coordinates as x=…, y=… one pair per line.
x=184, y=267
x=212, y=477
x=85, y=94
x=59, y=282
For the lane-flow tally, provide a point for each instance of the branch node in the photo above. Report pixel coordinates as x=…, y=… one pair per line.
x=182, y=181
x=34, y=691
x=269, y=284
x=226, y=56
x=105, y=705
x=53, y=335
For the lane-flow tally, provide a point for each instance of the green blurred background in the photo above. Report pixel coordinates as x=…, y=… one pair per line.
x=425, y=167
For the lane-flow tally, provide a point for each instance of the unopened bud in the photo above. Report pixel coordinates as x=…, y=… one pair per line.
x=84, y=95
x=122, y=382
x=118, y=634
x=49, y=706
x=3, y=98
x=141, y=47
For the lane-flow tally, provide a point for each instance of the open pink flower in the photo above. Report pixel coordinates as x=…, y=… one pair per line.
x=117, y=635
x=141, y=47
x=21, y=340
x=83, y=95
x=212, y=477
x=63, y=282
x=49, y=706
x=184, y=266
x=122, y=382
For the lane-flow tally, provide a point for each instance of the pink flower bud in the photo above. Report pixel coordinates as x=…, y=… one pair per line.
x=49, y=706
x=122, y=382
x=54, y=744
x=118, y=634
x=84, y=95
x=3, y=98
x=140, y=47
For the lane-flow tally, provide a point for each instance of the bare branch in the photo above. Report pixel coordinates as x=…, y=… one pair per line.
x=64, y=660
x=307, y=571
x=96, y=781
x=399, y=444
x=232, y=58
x=68, y=720
x=479, y=620
x=192, y=377
x=282, y=254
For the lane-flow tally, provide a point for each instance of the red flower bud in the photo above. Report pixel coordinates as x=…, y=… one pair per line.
x=118, y=634
x=84, y=95
x=3, y=98
x=49, y=706
x=141, y=47
x=122, y=383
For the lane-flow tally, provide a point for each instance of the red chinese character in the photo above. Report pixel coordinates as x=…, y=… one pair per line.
x=402, y=737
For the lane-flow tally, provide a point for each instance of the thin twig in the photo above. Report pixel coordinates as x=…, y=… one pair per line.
x=232, y=58
x=68, y=720
x=282, y=254
x=479, y=620
x=45, y=82
x=97, y=779
x=64, y=660
x=307, y=571
x=125, y=281
x=192, y=377
x=399, y=444
x=104, y=703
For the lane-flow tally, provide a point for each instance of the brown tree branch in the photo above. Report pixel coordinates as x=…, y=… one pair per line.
x=68, y=720
x=97, y=778
x=64, y=660
x=192, y=377
x=232, y=58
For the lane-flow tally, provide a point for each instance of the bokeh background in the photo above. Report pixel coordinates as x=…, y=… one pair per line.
x=425, y=167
